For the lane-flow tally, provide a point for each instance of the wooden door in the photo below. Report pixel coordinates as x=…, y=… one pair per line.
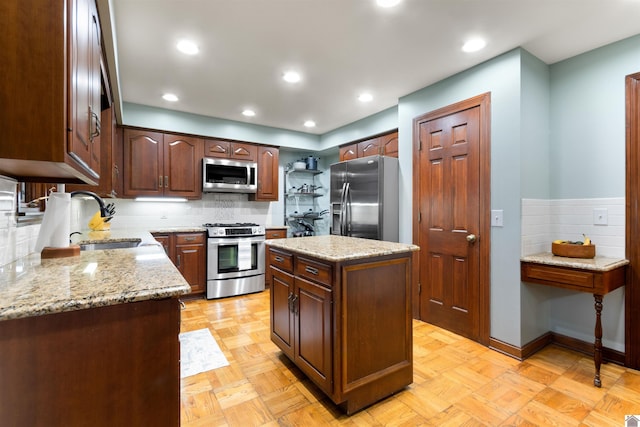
x=267, y=174
x=450, y=192
x=84, y=86
x=182, y=166
x=389, y=145
x=313, y=337
x=370, y=147
x=349, y=152
x=282, y=318
x=632, y=213
x=190, y=259
x=242, y=151
x=143, y=164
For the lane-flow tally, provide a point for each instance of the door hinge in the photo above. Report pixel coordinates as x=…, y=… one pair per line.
x=419, y=288
x=419, y=216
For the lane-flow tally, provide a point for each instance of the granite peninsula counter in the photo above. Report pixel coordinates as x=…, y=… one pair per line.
x=92, y=339
x=341, y=311
x=32, y=286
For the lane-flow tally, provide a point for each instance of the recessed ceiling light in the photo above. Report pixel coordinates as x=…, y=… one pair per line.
x=188, y=47
x=310, y=124
x=365, y=97
x=291, y=77
x=474, y=45
x=169, y=97
x=388, y=3
x=248, y=113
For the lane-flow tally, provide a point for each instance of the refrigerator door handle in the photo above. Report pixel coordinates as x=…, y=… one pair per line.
x=342, y=212
x=347, y=210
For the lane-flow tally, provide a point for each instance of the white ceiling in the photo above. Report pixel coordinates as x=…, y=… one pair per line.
x=341, y=47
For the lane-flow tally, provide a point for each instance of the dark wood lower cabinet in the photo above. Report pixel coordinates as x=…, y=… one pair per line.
x=109, y=366
x=188, y=252
x=346, y=325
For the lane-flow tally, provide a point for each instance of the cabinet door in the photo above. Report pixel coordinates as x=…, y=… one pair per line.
x=267, y=174
x=242, y=151
x=349, y=152
x=165, y=240
x=85, y=52
x=370, y=147
x=190, y=261
x=110, y=184
x=313, y=349
x=143, y=163
x=389, y=145
x=216, y=148
x=182, y=171
x=282, y=320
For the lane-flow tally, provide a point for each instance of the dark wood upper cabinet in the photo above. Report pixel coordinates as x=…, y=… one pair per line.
x=50, y=88
x=230, y=150
x=267, y=175
x=111, y=159
x=349, y=152
x=384, y=145
x=157, y=164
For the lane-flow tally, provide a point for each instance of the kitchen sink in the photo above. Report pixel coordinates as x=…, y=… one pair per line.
x=110, y=244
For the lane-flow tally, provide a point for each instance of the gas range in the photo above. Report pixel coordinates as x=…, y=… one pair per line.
x=238, y=229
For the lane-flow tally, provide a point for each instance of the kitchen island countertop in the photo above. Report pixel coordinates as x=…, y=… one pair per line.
x=340, y=248
x=31, y=286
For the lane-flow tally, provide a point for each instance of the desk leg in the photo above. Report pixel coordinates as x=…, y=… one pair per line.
x=597, y=354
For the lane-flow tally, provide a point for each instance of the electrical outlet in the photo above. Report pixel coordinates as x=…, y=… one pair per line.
x=497, y=219
x=600, y=216
x=164, y=215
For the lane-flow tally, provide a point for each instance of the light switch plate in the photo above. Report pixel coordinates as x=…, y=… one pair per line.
x=497, y=218
x=600, y=216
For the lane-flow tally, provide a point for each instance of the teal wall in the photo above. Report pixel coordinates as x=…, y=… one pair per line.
x=588, y=121
x=176, y=121
x=534, y=178
x=377, y=123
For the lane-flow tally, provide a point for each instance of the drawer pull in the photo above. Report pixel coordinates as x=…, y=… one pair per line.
x=189, y=239
x=278, y=258
x=311, y=270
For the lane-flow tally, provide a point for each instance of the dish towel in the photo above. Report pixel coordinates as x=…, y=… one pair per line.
x=244, y=256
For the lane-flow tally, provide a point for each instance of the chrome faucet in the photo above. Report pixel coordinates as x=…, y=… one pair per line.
x=103, y=210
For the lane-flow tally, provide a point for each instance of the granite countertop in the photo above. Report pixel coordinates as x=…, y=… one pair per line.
x=598, y=263
x=340, y=248
x=31, y=286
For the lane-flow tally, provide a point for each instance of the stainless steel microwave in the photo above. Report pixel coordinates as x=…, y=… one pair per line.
x=228, y=176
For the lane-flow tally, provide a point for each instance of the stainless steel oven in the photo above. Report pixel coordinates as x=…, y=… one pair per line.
x=235, y=259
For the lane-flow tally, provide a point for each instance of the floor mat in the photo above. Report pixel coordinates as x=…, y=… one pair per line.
x=199, y=352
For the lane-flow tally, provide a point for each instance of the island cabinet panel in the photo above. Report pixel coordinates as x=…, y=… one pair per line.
x=108, y=366
x=346, y=324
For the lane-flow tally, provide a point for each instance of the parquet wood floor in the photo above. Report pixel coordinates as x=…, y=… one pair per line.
x=457, y=382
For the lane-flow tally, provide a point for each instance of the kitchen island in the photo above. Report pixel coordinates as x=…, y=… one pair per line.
x=91, y=339
x=341, y=311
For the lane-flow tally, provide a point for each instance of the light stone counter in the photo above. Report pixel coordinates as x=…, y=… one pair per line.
x=32, y=286
x=598, y=263
x=340, y=248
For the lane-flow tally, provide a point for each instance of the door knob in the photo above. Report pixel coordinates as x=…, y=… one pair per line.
x=471, y=238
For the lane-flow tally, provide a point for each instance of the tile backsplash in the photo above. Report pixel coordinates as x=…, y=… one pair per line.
x=546, y=220
x=15, y=242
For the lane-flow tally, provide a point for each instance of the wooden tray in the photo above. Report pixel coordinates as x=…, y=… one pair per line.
x=573, y=251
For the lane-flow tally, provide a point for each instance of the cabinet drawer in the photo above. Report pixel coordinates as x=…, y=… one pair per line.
x=559, y=276
x=276, y=234
x=189, y=238
x=282, y=260
x=314, y=270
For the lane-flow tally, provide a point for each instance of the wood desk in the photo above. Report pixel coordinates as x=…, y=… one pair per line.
x=598, y=276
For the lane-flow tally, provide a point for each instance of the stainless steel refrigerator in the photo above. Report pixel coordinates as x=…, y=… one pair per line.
x=364, y=198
